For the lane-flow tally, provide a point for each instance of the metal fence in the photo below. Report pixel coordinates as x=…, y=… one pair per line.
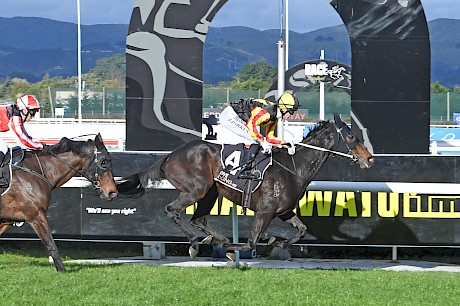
x=111, y=103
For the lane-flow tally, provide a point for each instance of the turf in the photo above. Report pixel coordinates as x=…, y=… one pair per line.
x=30, y=280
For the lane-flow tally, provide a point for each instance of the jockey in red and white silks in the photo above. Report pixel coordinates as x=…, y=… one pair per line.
x=13, y=117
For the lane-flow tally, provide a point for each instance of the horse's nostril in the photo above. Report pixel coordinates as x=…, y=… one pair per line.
x=113, y=195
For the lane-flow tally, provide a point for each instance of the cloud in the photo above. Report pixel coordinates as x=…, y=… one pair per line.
x=92, y=12
x=304, y=15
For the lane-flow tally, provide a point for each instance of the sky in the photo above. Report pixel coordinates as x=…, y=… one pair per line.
x=304, y=15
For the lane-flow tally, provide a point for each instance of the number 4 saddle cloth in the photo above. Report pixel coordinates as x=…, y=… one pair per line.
x=232, y=158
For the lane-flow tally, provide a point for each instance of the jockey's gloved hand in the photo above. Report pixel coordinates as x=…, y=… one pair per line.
x=266, y=147
x=290, y=146
x=291, y=149
x=45, y=148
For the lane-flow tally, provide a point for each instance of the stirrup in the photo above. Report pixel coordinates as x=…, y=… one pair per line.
x=250, y=175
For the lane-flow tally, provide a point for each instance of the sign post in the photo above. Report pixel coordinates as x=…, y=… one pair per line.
x=321, y=94
x=281, y=74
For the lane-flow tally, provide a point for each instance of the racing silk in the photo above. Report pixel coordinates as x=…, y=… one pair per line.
x=10, y=119
x=258, y=112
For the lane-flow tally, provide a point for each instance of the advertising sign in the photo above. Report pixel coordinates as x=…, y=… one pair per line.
x=457, y=118
x=424, y=212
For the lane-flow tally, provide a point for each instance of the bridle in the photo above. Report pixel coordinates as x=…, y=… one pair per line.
x=99, y=162
x=341, y=132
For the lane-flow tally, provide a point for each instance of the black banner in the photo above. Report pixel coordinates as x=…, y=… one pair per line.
x=164, y=72
x=410, y=210
x=391, y=73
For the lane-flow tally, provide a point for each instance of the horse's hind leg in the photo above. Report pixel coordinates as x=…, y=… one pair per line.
x=292, y=219
x=200, y=219
x=41, y=227
x=174, y=209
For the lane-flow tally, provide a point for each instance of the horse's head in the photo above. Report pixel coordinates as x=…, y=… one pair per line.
x=99, y=171
x=354, y=145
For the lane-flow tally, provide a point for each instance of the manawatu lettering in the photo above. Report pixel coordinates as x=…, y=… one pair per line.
x=364, y=205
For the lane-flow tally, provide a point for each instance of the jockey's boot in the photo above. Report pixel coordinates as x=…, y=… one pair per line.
x=248, y=163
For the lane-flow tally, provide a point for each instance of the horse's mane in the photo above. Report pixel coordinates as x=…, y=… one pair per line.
x=315, y=130
x=67, y=145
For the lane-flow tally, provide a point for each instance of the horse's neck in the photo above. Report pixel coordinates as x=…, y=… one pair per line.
x=310, y=160
x=73, y=160
x=64, y=166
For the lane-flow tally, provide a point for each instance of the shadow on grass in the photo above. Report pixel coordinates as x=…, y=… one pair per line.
x=73, y=250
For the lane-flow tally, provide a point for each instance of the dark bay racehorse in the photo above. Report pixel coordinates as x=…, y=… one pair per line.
x=28, y=197
x=191, y=169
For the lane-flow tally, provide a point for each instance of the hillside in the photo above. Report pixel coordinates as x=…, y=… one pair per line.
x=228, y=49
x=31, y=47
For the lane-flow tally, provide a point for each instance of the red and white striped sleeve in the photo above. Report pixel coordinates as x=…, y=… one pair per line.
x=17, y=126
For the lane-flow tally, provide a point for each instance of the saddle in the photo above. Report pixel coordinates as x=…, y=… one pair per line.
x=15, y=156
x=236, y=160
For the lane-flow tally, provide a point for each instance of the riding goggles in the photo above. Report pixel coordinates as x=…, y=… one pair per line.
x=32, y=112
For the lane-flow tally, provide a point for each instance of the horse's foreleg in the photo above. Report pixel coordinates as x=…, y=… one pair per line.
x=41, y=227
x=174, y=209
x=261, y=222
x=4, y=227
x=292, y=219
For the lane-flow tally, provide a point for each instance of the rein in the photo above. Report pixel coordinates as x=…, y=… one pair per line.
x=95, y=182
x=324, y=150
x=40, y=176
x=339, y=131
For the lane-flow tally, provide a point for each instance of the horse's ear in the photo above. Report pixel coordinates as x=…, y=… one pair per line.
x=98, y=140
x=338, y=122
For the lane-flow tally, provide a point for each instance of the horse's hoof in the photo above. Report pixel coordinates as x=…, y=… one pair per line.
x=240, y=265
x=271, y=240
x=207, y=240
x=231, y=256
x=243, y=265
x=193, y=252
x=278, y=253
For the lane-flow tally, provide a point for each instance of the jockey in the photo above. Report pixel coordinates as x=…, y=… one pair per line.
x=243, y=116
x=13, y=117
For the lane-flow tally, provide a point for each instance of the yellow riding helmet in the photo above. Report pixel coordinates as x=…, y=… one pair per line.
x=289, y=102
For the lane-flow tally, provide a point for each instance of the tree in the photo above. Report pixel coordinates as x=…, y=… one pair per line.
x=438, y=88
x=255, y=76
x=108, y=72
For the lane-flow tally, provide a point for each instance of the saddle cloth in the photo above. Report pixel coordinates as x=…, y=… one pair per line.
x=231, y=157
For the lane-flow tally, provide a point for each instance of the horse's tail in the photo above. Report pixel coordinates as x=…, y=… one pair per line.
x=135, y=185
x=130, y=186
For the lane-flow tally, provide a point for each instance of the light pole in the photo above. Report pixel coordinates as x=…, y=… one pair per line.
x=79, y=60
x=287, y=35
x=282, y=66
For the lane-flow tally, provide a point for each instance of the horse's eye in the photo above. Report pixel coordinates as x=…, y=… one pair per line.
x=104, y=163
x=351, y=136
